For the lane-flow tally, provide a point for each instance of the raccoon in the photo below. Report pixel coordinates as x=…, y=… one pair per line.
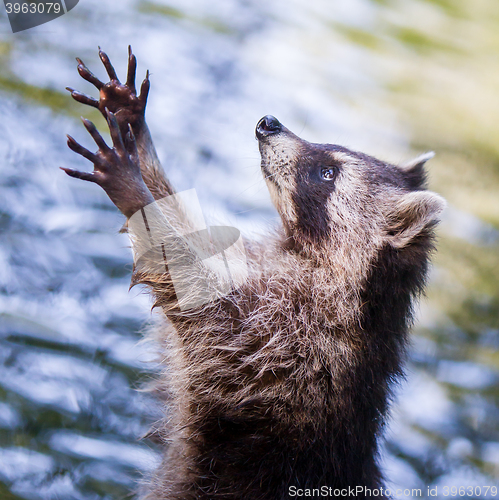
x=282, y=383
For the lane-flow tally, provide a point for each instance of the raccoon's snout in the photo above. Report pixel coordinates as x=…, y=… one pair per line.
x=268, y=125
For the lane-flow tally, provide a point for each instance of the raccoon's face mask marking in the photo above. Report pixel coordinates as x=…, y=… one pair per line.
x=325, y=192
x=300, y=178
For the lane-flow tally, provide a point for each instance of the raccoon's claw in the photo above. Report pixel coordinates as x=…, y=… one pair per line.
x=85, y=176
x=144, y=89
x=78, y=148
x=132, y=70
x=109, y=67
x=114, y=130
x=92, y=130
x=87, y=75
x=131, y=145
x=83, y=98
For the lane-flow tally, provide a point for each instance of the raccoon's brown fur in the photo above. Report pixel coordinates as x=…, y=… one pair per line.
x=285, y=380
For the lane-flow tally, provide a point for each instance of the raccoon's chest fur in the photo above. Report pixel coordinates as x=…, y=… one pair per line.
x=278, y=389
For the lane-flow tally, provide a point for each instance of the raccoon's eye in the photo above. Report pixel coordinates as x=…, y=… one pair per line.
x=329, y=173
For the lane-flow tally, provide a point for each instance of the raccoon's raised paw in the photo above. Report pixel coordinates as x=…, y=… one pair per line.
x=116, y=169
x=121, y=99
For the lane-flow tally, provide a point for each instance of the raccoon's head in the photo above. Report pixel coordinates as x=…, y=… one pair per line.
x=332, y=199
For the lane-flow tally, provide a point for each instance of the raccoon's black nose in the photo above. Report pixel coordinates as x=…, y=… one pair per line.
x=268, y=125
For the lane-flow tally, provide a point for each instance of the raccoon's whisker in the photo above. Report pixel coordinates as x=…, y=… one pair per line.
x=269, y=176
x=239, y=167
x=245, y=211
x=262, y=185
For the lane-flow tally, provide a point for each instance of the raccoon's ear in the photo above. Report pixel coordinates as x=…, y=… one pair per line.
x=417, y=162
x=415, y=171
x=412, y=214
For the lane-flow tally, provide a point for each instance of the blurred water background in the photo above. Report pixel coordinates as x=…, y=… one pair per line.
x=393, y=78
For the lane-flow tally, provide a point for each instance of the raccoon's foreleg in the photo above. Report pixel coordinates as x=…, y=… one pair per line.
x=129, y=109
x=116, y=169
x=169, y=248
x=168, y=256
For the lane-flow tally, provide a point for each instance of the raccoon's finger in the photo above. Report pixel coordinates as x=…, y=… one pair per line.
x=83, y=98
x=107, y=64
x=114, y=130
x=87, y=75
x=131, y=145
x=92, y=130
x=86, y=176
x=77, y=148
x=144, y=89
x=132, y=70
